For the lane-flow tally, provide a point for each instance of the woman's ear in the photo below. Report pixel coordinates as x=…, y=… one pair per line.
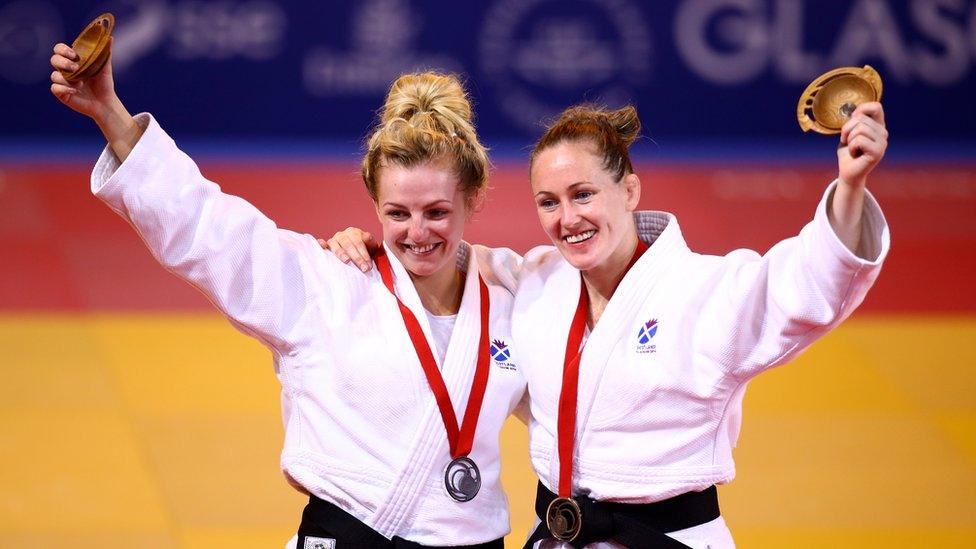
x=476, y=200
x=376, y=206
x=632, y=186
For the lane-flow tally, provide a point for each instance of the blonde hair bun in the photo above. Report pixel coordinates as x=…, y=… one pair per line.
x=425, y=116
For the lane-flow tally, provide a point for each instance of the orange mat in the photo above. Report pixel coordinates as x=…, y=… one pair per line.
x=163, y=430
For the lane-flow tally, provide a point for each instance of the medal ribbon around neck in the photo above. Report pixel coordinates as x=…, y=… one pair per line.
x=566, y=421
x=460, y=440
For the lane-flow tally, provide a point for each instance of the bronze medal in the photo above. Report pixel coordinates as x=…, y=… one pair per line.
x=564, y=519
x=829, y=100
x=462, y=479
x=92, y=48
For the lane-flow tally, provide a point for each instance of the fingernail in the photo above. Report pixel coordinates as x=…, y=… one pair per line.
x=363, y=268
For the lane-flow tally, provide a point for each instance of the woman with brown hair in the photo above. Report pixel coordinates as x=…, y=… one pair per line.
x=657, y=343
x=392, y=406
x=638, y=351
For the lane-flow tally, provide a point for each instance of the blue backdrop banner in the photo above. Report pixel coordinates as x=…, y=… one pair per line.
x=709, y=70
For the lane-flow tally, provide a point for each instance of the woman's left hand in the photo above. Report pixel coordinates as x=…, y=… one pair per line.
x=353, y=246
x=863, y=141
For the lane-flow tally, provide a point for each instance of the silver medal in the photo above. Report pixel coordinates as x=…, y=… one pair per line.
x=462, y=479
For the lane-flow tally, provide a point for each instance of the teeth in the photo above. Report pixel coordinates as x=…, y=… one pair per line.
x=573, y=239
x=421, y=249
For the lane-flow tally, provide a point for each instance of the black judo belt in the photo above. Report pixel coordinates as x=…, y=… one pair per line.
x=326, y=521
x=636, y=526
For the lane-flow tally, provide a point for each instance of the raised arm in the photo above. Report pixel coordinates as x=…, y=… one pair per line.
x=767, y=309
x=255, y=273
x=95, y=98
x=863, y=141
x=762, y=311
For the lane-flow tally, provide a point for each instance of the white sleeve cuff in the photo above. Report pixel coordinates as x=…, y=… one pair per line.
x=108, y=171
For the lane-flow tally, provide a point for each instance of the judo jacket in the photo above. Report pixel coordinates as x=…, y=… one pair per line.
x=362, y=428
x=663, y=372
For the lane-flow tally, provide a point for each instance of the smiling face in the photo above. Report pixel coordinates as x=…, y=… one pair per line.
x=586, y=213
x=423, y=212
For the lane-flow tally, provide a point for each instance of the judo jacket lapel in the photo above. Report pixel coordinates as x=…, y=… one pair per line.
x=429, y=451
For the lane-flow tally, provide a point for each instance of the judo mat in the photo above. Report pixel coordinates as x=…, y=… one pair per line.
x=133, y=415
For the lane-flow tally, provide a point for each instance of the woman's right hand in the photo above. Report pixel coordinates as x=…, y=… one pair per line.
x=353, y=246
x=93, y=97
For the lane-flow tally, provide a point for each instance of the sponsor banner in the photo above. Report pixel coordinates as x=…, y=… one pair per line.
x=702, y=69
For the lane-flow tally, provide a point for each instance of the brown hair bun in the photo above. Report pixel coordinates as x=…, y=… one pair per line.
x=613, y=132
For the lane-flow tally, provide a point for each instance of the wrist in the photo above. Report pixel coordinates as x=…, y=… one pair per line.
x=853, y=182
x=119, y=128
x=110, y=113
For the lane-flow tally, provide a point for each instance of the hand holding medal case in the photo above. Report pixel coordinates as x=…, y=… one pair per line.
x=92, y=48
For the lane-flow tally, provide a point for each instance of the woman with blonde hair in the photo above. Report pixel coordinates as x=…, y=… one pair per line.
x=638, y=351
x=391, y=403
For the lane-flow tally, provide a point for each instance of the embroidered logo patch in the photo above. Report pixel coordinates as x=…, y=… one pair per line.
x=500, y=351
x=645, y=334
x=319, y=543
x=502, y=354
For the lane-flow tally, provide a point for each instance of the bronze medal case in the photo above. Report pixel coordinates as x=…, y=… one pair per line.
x=829, y=100
x=92, y=48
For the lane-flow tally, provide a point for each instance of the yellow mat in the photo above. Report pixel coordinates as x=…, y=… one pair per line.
x=163, y=431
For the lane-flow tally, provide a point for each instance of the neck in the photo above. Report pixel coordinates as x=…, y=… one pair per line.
x=602, y=281
x=440, y=292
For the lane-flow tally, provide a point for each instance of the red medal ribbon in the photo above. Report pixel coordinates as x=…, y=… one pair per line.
x=460, y=441
x=566, y=421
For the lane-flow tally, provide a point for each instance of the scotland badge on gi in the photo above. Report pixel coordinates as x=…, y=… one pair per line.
x=499, y=351
x=645, y=334
x=319, y=543
x=647, y=331
x=502, y=354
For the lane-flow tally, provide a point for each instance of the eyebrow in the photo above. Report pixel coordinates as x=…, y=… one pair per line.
x=429, y=205
x=571, y=187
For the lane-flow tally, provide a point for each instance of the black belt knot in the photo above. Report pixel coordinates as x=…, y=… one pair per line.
x=636, y=526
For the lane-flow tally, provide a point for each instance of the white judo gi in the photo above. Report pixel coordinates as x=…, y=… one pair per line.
x=663, y=372
x=362, y=428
